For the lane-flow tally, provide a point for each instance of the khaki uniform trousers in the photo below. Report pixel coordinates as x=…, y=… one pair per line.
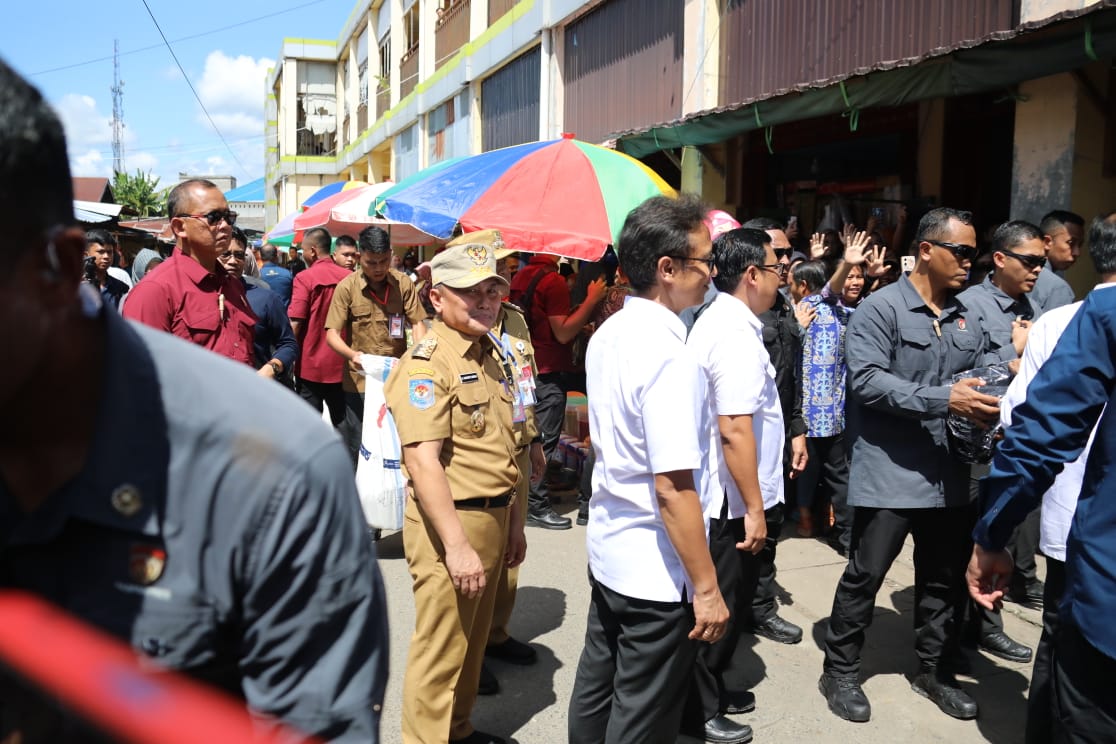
x=509, y=577
x=447, y=648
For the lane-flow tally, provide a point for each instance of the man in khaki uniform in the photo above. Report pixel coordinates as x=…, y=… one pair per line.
x=371, y=308
x=454, y=397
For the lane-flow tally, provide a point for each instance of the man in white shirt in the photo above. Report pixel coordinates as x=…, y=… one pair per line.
x=746, y=440
x=653, y=581
x=1059, y=503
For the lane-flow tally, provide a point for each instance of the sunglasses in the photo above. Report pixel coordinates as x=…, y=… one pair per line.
x=237, y=255
x=1031, y=262
x=783, y=252
x=215, y=217
x=776, y=268
x=962, y=252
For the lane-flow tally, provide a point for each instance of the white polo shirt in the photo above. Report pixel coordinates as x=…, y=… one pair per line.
x=647, y=415
x=727, y=340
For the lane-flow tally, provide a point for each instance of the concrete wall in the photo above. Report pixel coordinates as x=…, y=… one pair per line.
x=1093, y=192
x=1045, y=134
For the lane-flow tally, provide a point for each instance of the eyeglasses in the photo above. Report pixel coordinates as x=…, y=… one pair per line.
x=475, y=293
x=783, y=252
x=1031, y=262
x=776, y=268
x=709, y=261
x=215, y=217
x=962, y=252
x=232, y=255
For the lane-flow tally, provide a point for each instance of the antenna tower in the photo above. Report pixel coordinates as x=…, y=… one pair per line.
x=117, y=111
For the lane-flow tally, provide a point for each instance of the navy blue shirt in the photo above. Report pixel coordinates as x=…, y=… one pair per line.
x=1064, y=401
x=279, y=279
x=231, y=547
x=274, y=337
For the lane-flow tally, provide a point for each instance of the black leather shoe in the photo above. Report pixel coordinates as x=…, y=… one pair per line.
x=947, y=694
x=998, y=644
x=723, y=730
x=513, y=652
x=1030, y=595
x=480, y=737
x=738, y=701
x=846, y=698
x=488, y=685
x=778, y=629
x=548, y=519
x=583, y=514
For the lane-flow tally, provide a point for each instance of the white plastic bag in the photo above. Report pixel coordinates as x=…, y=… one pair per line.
x=379, y=476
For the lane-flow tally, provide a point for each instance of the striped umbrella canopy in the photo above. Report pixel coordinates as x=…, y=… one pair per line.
x=330, y=190
x=563, y=197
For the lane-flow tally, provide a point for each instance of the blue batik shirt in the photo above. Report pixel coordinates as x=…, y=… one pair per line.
x=823, y=368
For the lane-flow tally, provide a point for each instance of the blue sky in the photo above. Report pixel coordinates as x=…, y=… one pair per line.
x=165, y=128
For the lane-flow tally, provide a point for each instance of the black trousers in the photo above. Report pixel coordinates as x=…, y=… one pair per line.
x=634, y=670
x=755, y=602
x=826, y=479
x=354, y=424
x=329, y=393
x=1082, y=690
x=941, y=553
x=550, y=413
x=713, y=659
x=1040, y=721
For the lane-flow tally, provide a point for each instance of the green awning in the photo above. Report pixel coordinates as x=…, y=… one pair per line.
x=1028, y=52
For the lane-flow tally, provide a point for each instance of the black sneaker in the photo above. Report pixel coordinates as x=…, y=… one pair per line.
x=548, y=519
x=583, y=513
x=777, y=629
x=513, y=652
x=946, y=693
x=845, y=697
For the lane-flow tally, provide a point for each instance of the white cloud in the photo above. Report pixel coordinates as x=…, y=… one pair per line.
x=90, y=163
x=143, y=161
x=232, y=89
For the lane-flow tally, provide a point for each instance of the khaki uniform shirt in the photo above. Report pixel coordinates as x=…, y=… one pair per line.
x=364, y=317
x=511, y=321
x=450, y=387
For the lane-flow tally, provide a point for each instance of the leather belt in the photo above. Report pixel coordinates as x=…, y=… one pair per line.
x=482, y=502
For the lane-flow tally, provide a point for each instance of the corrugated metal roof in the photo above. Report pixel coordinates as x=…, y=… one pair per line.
x=253, y=191
x=998, y=60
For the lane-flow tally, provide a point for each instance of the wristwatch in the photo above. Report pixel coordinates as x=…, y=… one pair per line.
x=276, y=367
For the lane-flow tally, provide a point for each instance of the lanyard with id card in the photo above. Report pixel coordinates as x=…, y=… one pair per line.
x=508, y=365
x=395, y=326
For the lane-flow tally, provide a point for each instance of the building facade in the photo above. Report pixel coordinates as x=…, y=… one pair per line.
x=762, y=106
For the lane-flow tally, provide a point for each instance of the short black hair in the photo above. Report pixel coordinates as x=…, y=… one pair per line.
x=343, y=240
x=374, y=239
x=934, y=225
x=268, y=253
x=99, y=236
x=764, y=223
x=179, y=193
x=812, y=273
x=1011, y=234
x=36, y=193
x=318, y=237
x=658, y=227
x=1056, y=218
x=734, y=251
x=239, y=236
x=1102, y=243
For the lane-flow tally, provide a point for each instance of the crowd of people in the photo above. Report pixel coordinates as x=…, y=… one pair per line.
x=737, y=376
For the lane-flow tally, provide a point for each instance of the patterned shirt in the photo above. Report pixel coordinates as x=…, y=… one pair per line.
x=823, y=368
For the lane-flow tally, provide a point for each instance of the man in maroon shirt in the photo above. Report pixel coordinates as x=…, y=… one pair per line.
x=191, y=296
x=319, y=368
x=544, y=296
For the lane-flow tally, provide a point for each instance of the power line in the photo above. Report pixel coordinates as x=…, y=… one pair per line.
x=184, y=38
x=193, y=90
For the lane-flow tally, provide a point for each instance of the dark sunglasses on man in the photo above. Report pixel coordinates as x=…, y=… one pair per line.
x=961, y=251
x=215, y=217
x=1031, y=262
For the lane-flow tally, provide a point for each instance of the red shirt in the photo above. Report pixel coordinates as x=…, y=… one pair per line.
x=551, y=298
x=310, y=297
x=208, y=309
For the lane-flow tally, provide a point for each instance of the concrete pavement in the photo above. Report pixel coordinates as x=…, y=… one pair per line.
x=550, y=614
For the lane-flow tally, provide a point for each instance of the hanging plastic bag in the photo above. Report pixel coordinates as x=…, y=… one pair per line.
x=379, y=475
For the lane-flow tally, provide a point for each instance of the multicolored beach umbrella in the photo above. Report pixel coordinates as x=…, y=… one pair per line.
x=563, y=197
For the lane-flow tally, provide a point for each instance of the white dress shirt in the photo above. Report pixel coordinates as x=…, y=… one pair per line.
x=647, y=414
x=1060, y=502
x=727, y=340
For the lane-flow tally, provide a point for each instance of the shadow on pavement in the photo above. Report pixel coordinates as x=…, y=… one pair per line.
x=525, y=690
x=390, y=546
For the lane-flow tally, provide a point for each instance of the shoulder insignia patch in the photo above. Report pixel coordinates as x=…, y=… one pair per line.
x=420, y=372
x=512, y=306
x=425, y=348
x=421, y=393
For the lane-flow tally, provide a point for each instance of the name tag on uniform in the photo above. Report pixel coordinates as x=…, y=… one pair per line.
x=468, y=377
x=395, y=326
